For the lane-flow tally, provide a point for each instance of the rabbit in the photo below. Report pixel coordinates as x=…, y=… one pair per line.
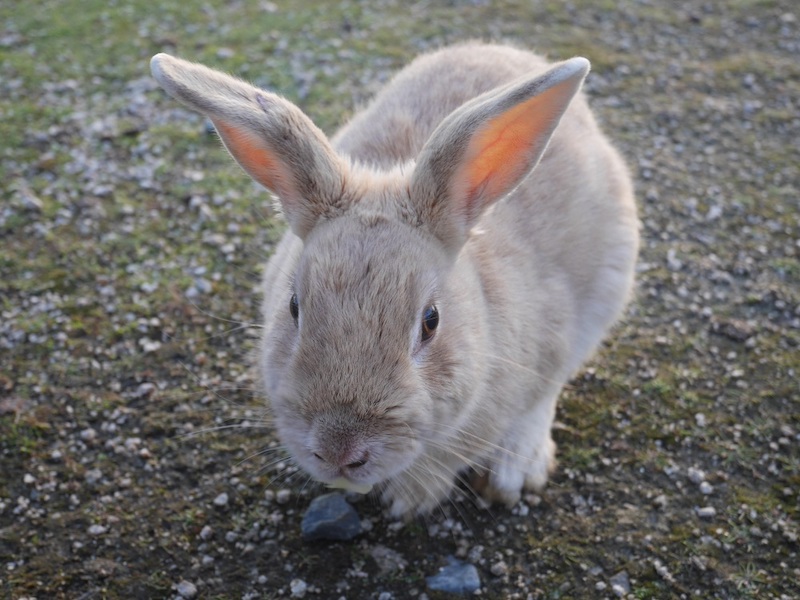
x=454, y=254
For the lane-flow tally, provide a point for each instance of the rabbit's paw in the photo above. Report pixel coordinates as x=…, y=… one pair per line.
x=513, y=472
x=541, y=466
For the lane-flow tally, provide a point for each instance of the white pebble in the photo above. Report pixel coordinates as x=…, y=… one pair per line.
x=499, y=568
x=283, y=496
x=97, y=530
x=221, y=500
x=619, y=591
x=706, y=488
x=696, y=475
x=186, y=589
x=706, y=512
x=298, y=587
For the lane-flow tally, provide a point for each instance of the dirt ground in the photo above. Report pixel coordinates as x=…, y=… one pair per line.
x=136, y=460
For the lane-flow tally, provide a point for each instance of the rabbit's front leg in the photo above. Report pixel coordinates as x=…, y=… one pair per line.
x=527, y=456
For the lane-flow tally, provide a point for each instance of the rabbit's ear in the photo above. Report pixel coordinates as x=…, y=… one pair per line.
x=484, y=149
x=268, y=136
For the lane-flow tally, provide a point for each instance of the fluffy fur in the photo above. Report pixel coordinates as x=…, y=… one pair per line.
x=427, y=197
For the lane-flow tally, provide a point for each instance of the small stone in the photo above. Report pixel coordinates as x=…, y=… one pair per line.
x=660, y=501
x=706, y=488
x=456, y=578
x=145, y=389
x=298, y=588
x=696, y=476
x=186, y=589
x=97, y=530
x=206, y=533
x=202, y=285
x=87, y=435
x=499, y=568
x=330, y=517
x=673, y=262
x=663, y=572
x=283, y=496
x=28, y=479
x=388, y=560
x=700, y=419
x=221, y=500
x=148, y=346
x=27, y=198
x=620, y=584
x=93, y=476
x=706, y=512
x=475, y=554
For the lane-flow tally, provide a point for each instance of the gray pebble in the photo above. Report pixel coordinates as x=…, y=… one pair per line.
x=330, y=517
x=499, y=568
x=221, y=500
x=186, y=589
x=456, y=578
x=620, y=584
x=92, y=476
x=388, y=560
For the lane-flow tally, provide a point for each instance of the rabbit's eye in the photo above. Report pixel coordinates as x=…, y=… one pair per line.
x=294, y=307
x=430, y=321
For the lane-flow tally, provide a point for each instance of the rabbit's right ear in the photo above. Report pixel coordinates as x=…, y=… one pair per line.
x=268, y=136
x=484, y=149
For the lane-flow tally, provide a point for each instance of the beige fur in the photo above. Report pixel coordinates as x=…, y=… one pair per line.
x=427, y=198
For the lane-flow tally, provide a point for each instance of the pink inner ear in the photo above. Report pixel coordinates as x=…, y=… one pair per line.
x=254, y=157
x=504, y=150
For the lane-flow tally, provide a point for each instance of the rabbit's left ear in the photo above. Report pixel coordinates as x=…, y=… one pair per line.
x=268, y=136
x=484, y=149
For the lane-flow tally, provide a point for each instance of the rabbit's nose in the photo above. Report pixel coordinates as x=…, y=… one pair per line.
x=344, y=460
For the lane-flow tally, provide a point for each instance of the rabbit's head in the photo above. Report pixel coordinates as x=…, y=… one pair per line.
x=374, y=343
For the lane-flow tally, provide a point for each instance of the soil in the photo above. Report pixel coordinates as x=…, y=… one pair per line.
x=137, y=460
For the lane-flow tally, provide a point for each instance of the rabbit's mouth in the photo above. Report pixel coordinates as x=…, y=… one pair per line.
x=345, y=484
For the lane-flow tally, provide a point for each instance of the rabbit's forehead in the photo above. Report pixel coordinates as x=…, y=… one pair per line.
x=366, y=258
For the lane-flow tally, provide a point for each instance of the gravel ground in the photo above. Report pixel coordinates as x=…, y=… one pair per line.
x=138, y=463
